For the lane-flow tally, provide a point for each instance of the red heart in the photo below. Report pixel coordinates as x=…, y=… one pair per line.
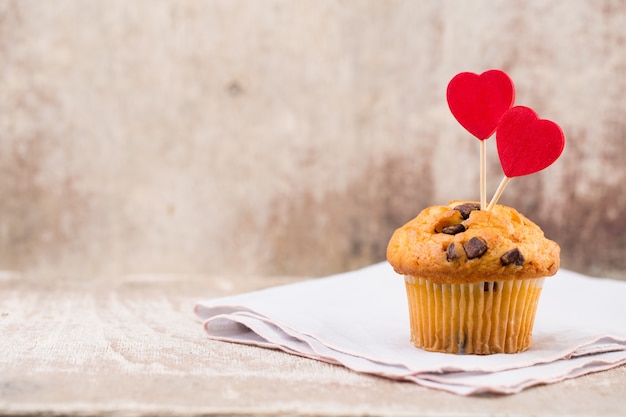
x=478, y=101
x=526, y=143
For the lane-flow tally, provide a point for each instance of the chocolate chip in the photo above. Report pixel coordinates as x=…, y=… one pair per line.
x=474, y=248
x=514, y=256
x=461, y=341
x=467, y=208
x=451, y=253
x=453, y=229
x=448, y=218
x=493, y=287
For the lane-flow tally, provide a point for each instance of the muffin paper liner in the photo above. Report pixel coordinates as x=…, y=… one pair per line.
x=480, y=318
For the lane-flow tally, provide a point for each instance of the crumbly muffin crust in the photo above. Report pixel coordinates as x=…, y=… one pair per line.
x=459, y=243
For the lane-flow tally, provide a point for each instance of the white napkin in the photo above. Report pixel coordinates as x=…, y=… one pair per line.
x=360, y=320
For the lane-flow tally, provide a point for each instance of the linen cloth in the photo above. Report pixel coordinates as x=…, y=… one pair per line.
x=360, y=320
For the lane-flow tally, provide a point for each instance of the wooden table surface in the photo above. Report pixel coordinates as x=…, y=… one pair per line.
x=134, y=348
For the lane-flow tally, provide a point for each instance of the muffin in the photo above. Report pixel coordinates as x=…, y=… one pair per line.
x=473, y=277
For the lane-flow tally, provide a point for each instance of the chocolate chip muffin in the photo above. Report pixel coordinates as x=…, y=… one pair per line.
x=473, y=277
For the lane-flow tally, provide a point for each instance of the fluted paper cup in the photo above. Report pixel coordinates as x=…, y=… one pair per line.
x=479, y=318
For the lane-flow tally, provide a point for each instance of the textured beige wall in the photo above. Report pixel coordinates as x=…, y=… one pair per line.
x=280, y=137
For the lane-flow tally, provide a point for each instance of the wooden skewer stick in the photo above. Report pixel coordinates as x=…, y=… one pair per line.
x=483, y=175
x=498, y=192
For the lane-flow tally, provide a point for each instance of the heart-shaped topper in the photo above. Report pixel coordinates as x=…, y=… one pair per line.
x=527, y=144
x=478, y=102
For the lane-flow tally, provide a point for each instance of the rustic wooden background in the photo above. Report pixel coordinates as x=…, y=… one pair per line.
x=275, y=137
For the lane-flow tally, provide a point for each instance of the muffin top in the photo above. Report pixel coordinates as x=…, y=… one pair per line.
x=459, y=243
